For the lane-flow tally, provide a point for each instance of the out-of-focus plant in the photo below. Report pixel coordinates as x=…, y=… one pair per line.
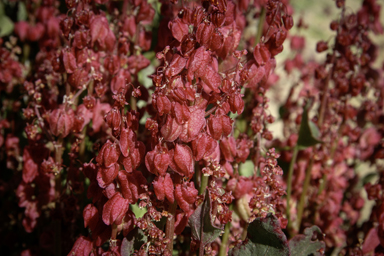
x=142, y=127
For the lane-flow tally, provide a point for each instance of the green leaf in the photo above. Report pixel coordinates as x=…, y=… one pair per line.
x=202, y=218
x=247, y=168
x=264, y=237
x=139, y=212
x=6, y=24
x=303, y=245
x=21, y=12
x=309, y=133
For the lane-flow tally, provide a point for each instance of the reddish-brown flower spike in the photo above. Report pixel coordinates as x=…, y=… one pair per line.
x=108, y=155
x=91, y=216
x=171, y=129
x=203, y=146
x=163, y=105
x=204, y=33
x=219, y=126
x=127, y=141
x=185, y=195
x=157, y=161
x=106, y=176
x=61, y=121
x=228, y=148
x=82, y=247
x=182, y=160
x=115, y=208
x=164, y=188
x=178, y=29
x=131, y=185
x=261, y=54
x=113, y=118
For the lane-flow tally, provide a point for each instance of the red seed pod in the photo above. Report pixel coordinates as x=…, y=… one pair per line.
x=89, y=102
x=261, y=54
x=230, y=14
x=129, y=26
x=113, y=118
x=108, y=155
x=66, y=26
x=69, y=61
x=217, y=41
x=171, y=129
x=180, y=112
x=228, y=148
x=334, y=25
x=132, y=161
x=35, y=32
x=61, y=121
x=82, y=247
x=163, y=105
x=321, y=46
x=106, y=176
x=220, y=4
x=204, y=33
x=91, y=217
x=280, y=37
x=114, y=209
x=182, y=160
x=186, y=195
x=157, y=161
x=203, y=147
x=239, y=186
x=131, y=185
x=219, y=126
x=80, y=40
x=198, y=15
x=120, y=82
x=79, y=78
x=218, y=19
x=288, y=22
x=236, y=103
x=127, y=141
x=185, y=15
x=21, y=30
x=196, y=122
x=164, y=188
x=178, y=29
x=112, y=64
x=176, y=66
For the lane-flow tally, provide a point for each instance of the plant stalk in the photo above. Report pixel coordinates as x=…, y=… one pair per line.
x=289, y=184
x=204, y=183
x=307, y=180
x=170, y=226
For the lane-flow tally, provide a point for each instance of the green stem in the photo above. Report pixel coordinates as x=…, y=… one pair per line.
x=289, y=183
x=260, y=25
x=224, y=240
x=300, y=208
x=204, y=183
